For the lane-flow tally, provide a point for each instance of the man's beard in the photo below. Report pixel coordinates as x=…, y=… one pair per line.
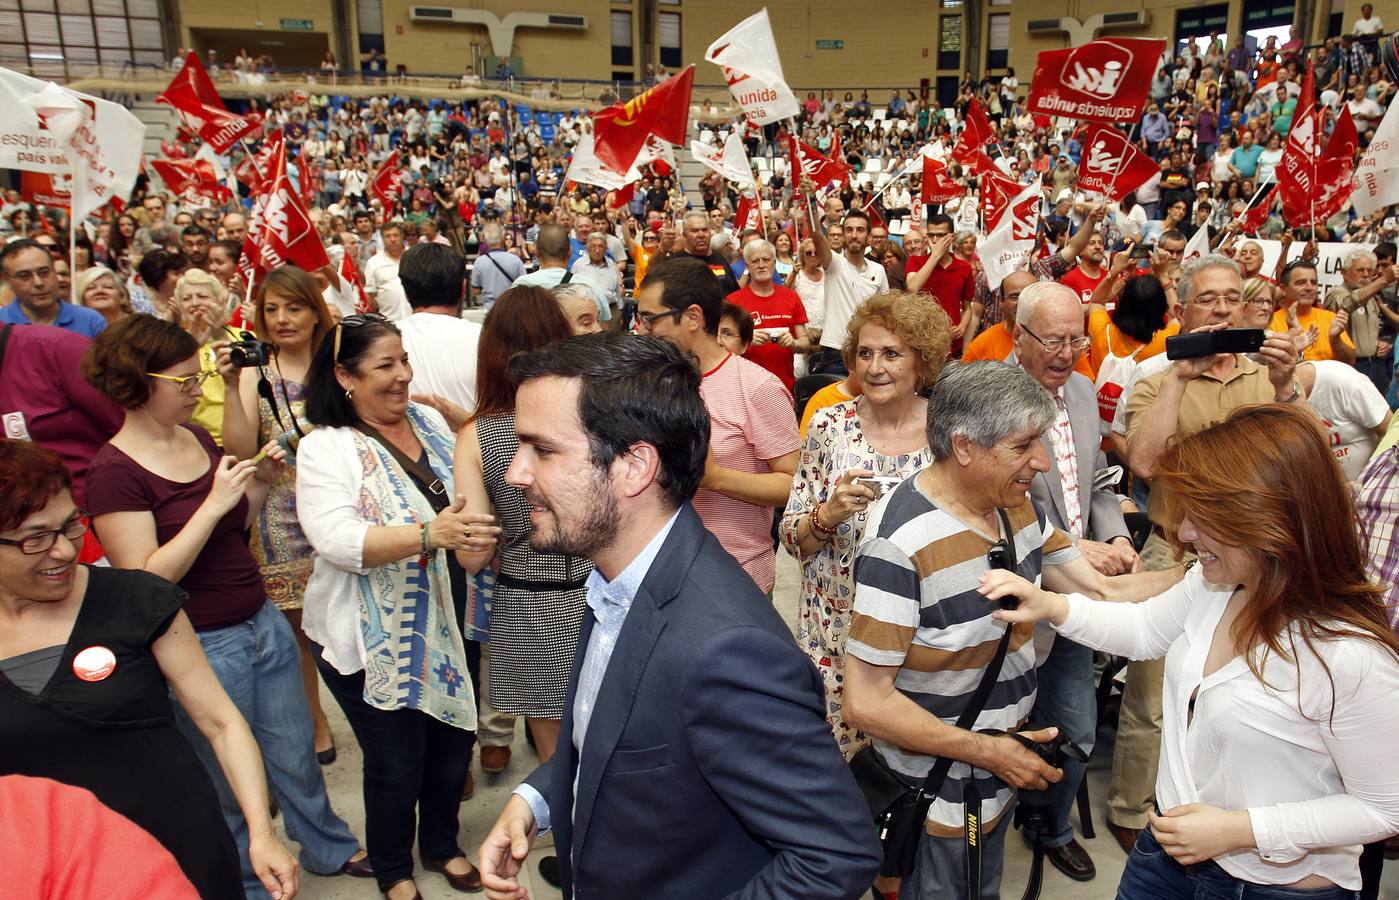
x=596, y=531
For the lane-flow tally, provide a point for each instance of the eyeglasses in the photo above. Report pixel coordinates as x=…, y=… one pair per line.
x=1211, y=300
x=43, y=541
x=649, y=320
x=186, y=382
x=1077, y=345
x=354, y=321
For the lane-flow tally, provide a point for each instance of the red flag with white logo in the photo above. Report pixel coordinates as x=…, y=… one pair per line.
x=748, y=216
x=1106, y=80
x=997, y=191
x=350, y=275
x=1111, y=165
x=1253, y=219
x=388, y=184
x=937, y=187
x=1335, y=174
x=280, y=231
x=621, y=130
x=255, y=169
x=976, y=133
x=808, y=161
x=1297, y=170
x=194, y=175
x=193, y=93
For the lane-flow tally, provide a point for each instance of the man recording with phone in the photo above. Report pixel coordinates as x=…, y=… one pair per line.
x=1189, y=395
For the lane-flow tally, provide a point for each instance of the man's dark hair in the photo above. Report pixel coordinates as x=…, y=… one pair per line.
x=195, y=231
x=362, y=214
x=326, y=402
x=1300, y=262
x=157, y=265
x=432, y=275
x=942, y=219
x=552, y=243
x=13, y=247
x=856, y=214
x=633, y=389
x=1172, y=235
x=1385, y=250
x=687, y=282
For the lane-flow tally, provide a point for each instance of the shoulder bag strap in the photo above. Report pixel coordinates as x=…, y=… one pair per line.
x=495, y=262
x=988, y=679
x=429, y=484
x=567, y=277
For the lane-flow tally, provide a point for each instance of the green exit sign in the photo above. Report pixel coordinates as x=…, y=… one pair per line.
x=298, y=25
x=830, y=45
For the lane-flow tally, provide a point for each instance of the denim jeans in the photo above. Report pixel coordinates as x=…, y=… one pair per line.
x=1379, y=369
x=940, y=872
x=415, y=767
x=259, y=666
x=1151, y=874
x=1067, y=700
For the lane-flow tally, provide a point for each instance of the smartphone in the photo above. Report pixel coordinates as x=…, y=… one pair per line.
x=1142, y=251
x=1208, y=343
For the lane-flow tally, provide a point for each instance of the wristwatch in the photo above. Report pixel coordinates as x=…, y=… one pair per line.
x=1296, y=392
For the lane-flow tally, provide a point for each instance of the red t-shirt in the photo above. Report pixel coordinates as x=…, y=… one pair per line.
x=782, y=311
x=1082, y=283
x=953, y=285
x=223, y=584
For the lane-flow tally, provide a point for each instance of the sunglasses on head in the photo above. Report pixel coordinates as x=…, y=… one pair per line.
x=355, y=321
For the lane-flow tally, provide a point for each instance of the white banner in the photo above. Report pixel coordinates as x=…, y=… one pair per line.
x=100, y=149
x=730, y=161
x=1377, y=176
x=748, y=55
x=586, y=168
x=1328, y=266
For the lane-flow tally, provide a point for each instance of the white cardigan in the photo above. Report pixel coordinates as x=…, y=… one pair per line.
x=1315, y=787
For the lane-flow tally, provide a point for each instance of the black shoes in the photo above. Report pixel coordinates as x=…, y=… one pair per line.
x=1072, y=860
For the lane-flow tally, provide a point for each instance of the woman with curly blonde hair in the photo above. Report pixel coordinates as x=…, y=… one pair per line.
x=895, y=346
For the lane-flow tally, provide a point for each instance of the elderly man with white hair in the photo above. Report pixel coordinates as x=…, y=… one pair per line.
x=779, y=316
x=1358, y=295
x=595, y=267
x=1049, y=339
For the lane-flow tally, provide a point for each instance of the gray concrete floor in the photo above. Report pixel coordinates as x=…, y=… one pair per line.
x=478, y=813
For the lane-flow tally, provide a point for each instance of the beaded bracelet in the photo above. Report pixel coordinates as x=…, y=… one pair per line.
x=816, y=521
x=426, y=541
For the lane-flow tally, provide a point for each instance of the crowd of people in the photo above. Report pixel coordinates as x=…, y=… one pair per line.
x=571, y=513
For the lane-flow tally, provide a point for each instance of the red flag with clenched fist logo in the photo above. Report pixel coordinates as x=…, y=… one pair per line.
x=1111, y=165
x=621, y=130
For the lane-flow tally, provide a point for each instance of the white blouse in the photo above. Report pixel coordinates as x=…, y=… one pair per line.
x=1316, y=786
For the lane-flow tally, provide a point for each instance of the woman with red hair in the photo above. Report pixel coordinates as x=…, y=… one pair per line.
x=1279, y=729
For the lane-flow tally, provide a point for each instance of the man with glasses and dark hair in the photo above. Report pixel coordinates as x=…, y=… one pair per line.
x=922, y=637
x=754, y=446
x=1323, y=332
x=29, y=272
x=1186, y=396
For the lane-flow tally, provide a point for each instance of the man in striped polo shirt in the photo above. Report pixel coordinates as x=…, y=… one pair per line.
x=922, y=634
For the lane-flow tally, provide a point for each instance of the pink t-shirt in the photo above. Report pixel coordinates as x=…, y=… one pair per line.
x=750, y=421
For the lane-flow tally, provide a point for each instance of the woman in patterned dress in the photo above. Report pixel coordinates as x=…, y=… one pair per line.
x=895, y=347
x=266, y=403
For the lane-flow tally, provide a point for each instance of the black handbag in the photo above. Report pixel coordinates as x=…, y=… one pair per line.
x=899, y=805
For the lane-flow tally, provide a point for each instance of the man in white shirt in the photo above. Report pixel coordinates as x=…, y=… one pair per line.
x=381, y=281
x=851, y=279
x=1368, y=23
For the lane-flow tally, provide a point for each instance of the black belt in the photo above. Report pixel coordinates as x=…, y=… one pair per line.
x=539, y=587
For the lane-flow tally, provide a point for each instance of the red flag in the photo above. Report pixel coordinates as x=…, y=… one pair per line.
x=1253, y=219
x=876, y=218
x=997, y=191
x=194, y=95
x=388, y=184
x=937, y=187
x=303, y=181
x=1297, y=170
x=350, y=275
x=1112, y=166
x=1104, y=80
x=976, y=134
x=194, y=175
x=280, y=230
x=748, y=216
x=620, y=130
x=808, y=161
x=255, y=169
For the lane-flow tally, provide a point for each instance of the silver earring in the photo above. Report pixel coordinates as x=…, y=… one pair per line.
x=349, y=395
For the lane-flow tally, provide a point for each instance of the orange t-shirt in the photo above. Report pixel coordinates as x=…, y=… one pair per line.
x=1322, y=319
x=995, y=343
x=1101, y=330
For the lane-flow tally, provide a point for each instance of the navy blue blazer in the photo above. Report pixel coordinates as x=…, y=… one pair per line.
x=708, y=769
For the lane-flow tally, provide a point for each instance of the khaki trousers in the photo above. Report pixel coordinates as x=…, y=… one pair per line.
x=493, y=728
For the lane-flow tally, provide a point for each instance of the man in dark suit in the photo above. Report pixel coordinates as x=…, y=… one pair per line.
x=694, y=759
x=1049, y=339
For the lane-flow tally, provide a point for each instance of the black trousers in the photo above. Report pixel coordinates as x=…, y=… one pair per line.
x=415, y=767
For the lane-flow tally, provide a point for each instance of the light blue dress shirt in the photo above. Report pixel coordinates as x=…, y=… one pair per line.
x=610, y=602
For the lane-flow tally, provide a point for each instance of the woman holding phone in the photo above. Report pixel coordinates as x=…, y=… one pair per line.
x=1280, y=669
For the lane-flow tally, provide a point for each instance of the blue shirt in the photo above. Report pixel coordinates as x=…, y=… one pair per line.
x=610, y=601
x=77, y=319
x=1245, y=159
